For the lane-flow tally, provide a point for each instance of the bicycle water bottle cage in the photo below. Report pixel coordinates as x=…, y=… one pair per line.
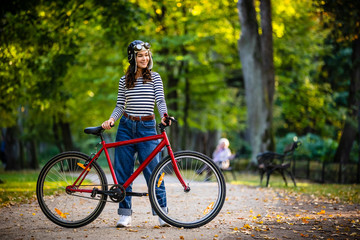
x=94, y=130
x=89, y=159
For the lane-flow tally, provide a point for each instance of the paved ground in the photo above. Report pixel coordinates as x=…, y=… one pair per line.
x=248, y=213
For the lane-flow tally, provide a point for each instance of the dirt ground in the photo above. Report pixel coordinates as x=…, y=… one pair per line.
x=248, y=213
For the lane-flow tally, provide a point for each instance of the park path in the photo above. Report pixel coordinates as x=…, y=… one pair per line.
x=248, y=213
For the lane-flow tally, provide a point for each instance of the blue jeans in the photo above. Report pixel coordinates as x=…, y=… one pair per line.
x=125, y=158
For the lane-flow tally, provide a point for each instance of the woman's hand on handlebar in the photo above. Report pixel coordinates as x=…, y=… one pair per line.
x=108, y=124
x=166, y=121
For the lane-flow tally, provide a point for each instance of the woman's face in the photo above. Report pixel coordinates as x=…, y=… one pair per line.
x=142, y=59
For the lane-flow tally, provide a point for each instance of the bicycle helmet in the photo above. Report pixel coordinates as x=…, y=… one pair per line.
x=135, y=47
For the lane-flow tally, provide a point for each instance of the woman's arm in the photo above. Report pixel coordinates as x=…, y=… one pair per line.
x=160, y=97
x=159, y=94
x=120, y=103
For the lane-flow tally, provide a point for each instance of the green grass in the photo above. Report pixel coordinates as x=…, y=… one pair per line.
x=20, y=187
x=348, y=193
x=17, y=187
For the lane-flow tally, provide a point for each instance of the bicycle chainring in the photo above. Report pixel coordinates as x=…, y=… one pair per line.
x=118, y=193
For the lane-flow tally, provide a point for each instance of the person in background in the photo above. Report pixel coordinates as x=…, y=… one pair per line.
x=222, y=154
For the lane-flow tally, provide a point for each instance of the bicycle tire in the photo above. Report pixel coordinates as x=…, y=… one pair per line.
x=196, y=207
x=66, y=209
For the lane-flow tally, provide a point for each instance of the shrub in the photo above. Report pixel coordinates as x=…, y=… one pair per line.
x=312, y=147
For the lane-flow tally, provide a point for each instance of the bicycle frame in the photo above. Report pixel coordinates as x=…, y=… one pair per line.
x=105, y=146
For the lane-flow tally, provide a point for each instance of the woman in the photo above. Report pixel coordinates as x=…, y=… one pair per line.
x=138, y=91
x=222, y=154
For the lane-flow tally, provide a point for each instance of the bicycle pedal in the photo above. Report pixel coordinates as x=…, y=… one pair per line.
x=94, y=192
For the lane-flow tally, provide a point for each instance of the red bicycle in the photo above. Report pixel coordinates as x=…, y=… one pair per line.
x=72, y=189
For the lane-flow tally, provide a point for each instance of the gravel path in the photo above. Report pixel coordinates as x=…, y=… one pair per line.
x=248, y=213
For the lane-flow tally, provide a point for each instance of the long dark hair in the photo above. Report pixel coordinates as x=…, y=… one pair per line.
x=130, y=76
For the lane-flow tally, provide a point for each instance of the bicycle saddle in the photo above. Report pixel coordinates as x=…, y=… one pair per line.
x=94, y=130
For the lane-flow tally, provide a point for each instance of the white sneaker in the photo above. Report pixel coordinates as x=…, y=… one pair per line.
x=163, y=223
x=124, y=221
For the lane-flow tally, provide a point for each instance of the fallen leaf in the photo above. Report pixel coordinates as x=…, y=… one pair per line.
x=321, y=212
x=246, y=226
x=304, y=220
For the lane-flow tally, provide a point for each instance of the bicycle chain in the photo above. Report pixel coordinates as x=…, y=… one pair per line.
x=93, y=198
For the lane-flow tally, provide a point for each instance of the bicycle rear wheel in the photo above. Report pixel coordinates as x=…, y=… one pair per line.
x=188, y=209
x=70, y=209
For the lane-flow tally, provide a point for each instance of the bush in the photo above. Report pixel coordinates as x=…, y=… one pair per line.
x=312, y=147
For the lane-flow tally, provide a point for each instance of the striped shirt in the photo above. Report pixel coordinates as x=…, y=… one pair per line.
x=140, y=100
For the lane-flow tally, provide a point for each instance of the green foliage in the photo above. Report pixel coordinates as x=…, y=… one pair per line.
x=298, y=46
x=62, y=60
x=47, y=68
x=194, y=61
x=312, y=147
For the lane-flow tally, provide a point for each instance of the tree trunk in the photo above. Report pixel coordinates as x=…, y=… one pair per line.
x=358, y=172
x=33, y=160
x=358, y=167
x=250, y=56
x=214, y=137
x=57, y=138
x=22, y=153
x=350, y=129
x=66, y=136
x=268, y=70
x=12, y=149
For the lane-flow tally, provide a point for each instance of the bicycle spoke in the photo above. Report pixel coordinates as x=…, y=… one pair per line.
x=70, y=209
x=192, y=208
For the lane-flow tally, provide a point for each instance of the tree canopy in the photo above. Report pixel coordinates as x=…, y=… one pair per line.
x=62, y=60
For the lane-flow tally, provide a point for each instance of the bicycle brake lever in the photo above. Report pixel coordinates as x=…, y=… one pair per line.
x=173, y=119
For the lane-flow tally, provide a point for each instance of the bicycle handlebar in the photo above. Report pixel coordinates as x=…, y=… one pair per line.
x=167, y=121
x=161, y=126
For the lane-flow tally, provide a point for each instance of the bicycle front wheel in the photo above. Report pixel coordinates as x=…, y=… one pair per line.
x=67, y=208
x=179, y=207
